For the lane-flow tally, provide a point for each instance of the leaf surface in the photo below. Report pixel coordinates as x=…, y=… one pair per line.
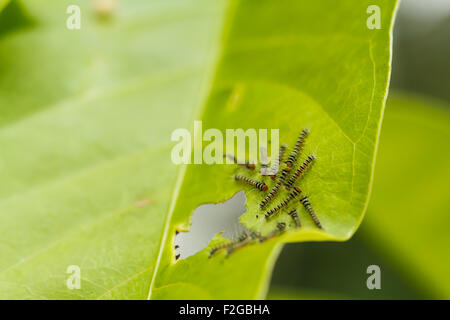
x=85, y=123
x=3, y=4
x=286, y=65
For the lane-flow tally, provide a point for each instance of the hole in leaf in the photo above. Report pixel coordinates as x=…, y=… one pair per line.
x=208, y=220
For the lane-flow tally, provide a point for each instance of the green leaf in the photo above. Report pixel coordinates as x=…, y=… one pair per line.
x=85, y=123
x=286, y=65
x=3, y=4
x=85, y=163
x=281, y=293
x=12, y=17
x=408, y=214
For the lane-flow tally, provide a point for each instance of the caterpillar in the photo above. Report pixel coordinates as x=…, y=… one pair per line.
x=284, y=203
x=311, y=212
x=293, y=214
x=275, y=188
x=257, y=184
x=298, y=147
x=228, y=244
x=279, y=229
x=264, y=161
x=276, y=165
x=246, y=164
x=300, y=171
x=239, y=244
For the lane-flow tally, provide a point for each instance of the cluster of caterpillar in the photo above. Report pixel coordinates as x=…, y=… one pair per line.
x=287, y=177
x=248, y=237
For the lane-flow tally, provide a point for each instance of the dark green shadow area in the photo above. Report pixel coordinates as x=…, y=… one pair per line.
x=13, y=18
x=338, y=269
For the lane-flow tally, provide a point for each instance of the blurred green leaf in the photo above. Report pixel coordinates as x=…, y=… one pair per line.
x=3, y=4
x=340, y=269
x=12, y=18
x=286, y=65
x=408, y=216
x=85, y=123
x=281, y=293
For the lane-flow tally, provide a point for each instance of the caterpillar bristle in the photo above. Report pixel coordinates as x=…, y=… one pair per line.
x=228, y=244
x=257, y=184
x=273, y=192
x=276, y=165
x=298, y=148
x=264, y=161
x=278, y=230
x=235, y=160
x=237, y=245
x=252, y=235
x=293, y=214
x=300, y=171
x=308, y=207
x=284, y=203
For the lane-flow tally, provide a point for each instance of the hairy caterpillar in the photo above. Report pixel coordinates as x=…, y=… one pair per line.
x=279, y=229
x=298, y=147
x=228, y=244
x=300, y=171
x=257, y=184
x=276, y=165
x=246, y=164
x=252, y=235
x=284, y=203
x=293, y=214
x=275, y=188
x=311, y=212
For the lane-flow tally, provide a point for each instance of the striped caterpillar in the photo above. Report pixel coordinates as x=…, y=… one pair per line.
x=298, y=147
x=311, y=212
x=284, y=203
x=257, y=184
x=275, y=188
x=279, y=229
x=246, y=164
x=264, y=161
x=242, y=238
x=293, y=214
x=276, y=165
x=239, y=244
x=300, y=171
